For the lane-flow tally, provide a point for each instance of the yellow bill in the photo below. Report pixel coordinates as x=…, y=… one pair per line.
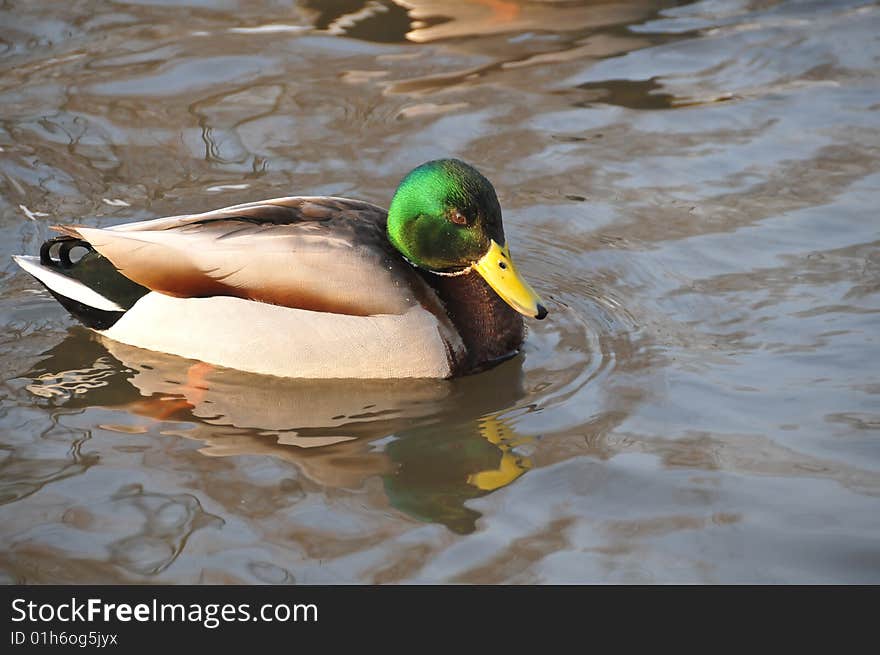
x=498, y=270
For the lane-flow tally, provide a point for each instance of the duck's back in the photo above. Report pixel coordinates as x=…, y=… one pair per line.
x=319, y=253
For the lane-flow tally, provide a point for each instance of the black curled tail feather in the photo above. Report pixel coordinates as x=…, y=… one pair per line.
x=65, y=245
x=95, y=272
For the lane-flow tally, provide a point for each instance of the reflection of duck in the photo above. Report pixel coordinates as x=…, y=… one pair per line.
x=303, y=413
x=436, y=443
x=309, y=287
x=440, y=467
x=511, y=466
x=484, y=17
x=424, y=21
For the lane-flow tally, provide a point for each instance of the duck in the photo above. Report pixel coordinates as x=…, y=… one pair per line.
x=314, y=287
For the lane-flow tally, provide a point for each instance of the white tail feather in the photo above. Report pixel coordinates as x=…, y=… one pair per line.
x=66, y=286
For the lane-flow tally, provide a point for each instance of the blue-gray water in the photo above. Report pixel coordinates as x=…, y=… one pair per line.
x=693, y=188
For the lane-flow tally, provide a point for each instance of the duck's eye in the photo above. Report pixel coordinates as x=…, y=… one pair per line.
x=457, y=217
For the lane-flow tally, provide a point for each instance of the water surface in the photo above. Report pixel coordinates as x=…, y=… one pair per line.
x=692, y=186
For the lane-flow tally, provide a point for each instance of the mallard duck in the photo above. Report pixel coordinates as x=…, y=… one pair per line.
x=307, y=286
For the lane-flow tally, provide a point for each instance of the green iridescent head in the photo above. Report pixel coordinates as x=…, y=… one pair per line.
x=444, y=215
x=445, y=218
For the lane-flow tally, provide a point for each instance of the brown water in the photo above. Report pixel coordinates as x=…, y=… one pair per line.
x=693, y=187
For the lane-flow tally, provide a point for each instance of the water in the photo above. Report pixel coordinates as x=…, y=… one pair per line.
x=692, y=187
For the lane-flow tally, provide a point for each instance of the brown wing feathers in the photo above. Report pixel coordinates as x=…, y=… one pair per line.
x=321, y=254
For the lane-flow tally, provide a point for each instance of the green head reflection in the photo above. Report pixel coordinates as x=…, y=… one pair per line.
x=439, y=468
